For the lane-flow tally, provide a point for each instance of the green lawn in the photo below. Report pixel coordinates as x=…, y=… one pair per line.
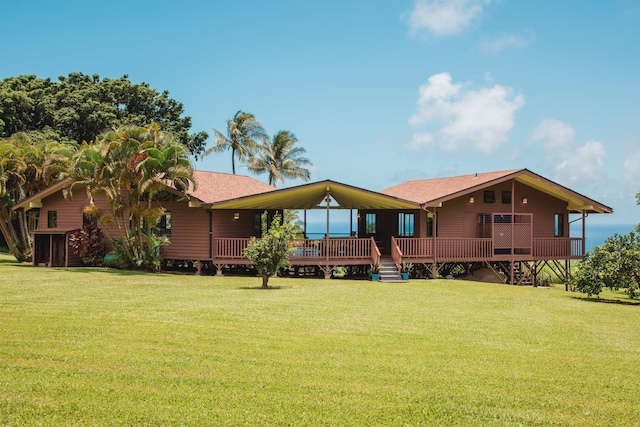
x=107, y=347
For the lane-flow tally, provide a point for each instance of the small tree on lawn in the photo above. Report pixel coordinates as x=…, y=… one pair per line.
x=272, y=251
x=614, y=265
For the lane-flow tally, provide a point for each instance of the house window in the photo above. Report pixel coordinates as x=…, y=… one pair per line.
x=506, y=197
x=558, y=225
x=489, y=196
x=52, y=219
x=405, y=224
x=370, y=223
x=162, y=227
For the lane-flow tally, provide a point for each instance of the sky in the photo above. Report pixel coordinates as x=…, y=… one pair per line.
x=377, y=91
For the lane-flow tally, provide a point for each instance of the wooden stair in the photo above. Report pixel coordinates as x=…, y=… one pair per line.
x=389, y=273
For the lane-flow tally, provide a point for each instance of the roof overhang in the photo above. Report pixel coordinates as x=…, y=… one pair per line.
x=35, y=201
x=313, y=196
x=576, y=203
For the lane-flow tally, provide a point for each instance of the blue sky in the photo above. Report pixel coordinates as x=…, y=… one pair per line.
x=378, y=92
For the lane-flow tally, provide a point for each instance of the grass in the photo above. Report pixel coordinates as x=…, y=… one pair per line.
x=107, y=347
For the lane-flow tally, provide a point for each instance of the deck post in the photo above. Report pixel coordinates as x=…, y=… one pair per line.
x=327, y=271
x=513, y=230
x=584, y=239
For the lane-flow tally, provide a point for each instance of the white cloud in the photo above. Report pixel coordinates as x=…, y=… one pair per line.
x=482, y=117
x=584, y=164
x=420, y=140
x=444, y=17
x=556, y=135
x=495, y=46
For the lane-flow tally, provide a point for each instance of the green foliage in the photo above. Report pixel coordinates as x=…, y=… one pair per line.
x=338, y=271
x=271, y=252
x=407, y=267
x=280, y=159
x=614, y=265
x=89, y=244
x=243, y=135
x=129, y=166
x=28, y=164
x=80, y=107
x=133, y=256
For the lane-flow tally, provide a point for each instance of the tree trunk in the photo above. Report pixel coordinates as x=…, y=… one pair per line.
x=265, y=281
x=10, y=235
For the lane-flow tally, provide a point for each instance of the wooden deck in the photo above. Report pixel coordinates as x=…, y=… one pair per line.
x=361, y=251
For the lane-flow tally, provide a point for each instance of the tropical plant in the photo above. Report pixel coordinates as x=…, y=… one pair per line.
x=272, y=251
x=614, y=265
x=243, y=135
x=407, y=267
x=280, y=159
x=375, y=268
x=89, y=244
x=28, y=164
x=129, y=166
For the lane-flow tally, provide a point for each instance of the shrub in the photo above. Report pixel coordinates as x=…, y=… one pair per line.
x=89, y=244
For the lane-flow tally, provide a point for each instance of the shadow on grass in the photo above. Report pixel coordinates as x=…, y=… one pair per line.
x=260, y=288
x=608, y=301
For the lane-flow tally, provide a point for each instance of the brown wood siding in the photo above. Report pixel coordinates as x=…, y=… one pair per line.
x=189, y=239
x=224, y=225
x=451, y=216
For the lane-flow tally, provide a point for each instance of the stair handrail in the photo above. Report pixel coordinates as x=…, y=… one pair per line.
x=396, y=253
x=375, y=252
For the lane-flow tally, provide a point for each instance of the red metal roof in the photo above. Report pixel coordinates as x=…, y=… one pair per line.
x=212, y=187
x=428, y=190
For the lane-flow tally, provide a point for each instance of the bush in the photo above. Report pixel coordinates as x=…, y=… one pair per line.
x=614, y=265
x=89, y=244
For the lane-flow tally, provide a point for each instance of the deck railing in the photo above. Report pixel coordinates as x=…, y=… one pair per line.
x=558, y=248
x=230, y=248
x=461, y=249
x=402, y=248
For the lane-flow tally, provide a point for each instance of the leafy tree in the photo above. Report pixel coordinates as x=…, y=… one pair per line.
x=272, y=251
x=243, y=134
x=280, y=159
x=129, y=166
x=28, y=164
x=80, y=107
x=614, y=265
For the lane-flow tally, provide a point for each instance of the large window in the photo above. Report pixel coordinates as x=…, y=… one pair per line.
x=405, y=224
x=370, y=223
x=52, y=219
x=558, y=225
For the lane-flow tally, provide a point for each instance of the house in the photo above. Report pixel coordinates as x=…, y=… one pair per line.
x=514, y=222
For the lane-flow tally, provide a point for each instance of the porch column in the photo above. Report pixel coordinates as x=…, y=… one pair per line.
x=513, y=228
x=327, y=273
x=584, y=238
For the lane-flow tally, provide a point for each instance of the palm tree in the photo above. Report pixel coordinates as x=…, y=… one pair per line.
x=280, y=159
x=138, y=162
x=28, y=164
x=243, y=134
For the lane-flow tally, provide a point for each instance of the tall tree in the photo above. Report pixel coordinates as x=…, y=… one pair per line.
x=80, y=107
x=244, y=133
x=280, y=159
x=129, y=166
x=28, y=164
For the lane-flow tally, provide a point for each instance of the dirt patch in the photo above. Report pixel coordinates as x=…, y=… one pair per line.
x=482, y=275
